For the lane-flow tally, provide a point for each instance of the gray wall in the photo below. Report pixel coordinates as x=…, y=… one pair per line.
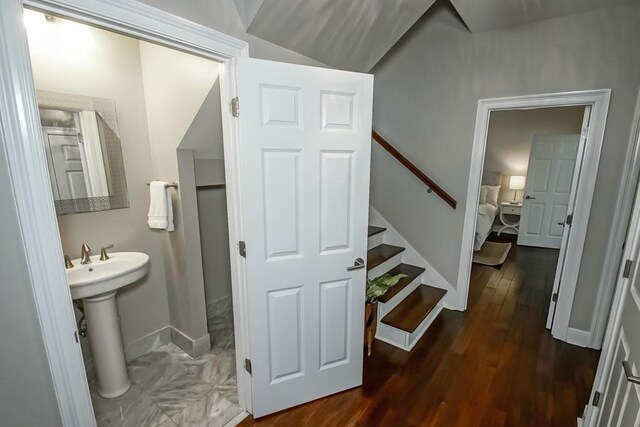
x=222, y=15
x=425, y=101
x=112, y=69
x=214, y=235
x=510, y=135
x=24, y=371
x=204, y=139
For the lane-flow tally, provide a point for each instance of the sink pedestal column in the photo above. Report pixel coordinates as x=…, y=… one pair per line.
x=103, y=329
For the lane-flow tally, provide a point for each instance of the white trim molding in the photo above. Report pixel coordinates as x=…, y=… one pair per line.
x=578, y=337
x=21, y=138
x=599, y=102
x=193, y=347
x=148, y=343
x=148, y=23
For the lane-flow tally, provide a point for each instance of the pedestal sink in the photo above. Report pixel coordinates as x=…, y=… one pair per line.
x=96, y=284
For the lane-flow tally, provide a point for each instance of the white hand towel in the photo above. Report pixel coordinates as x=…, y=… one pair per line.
x=160, y=208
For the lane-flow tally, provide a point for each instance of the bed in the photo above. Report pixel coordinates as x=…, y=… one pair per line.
x=487, y=207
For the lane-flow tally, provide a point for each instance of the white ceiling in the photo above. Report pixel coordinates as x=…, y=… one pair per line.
x=486, y=15
x=347, y=34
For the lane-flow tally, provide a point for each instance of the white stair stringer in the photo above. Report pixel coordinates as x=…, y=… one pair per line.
x=411, y=256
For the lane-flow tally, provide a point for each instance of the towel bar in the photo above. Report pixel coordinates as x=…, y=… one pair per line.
x=173, y=184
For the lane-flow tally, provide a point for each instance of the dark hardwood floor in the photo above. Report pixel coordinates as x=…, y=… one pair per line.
x=494, y=365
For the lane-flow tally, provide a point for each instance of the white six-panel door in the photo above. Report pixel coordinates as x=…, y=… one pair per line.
x=64, y=154
x=548, y=190
x=621, y=397
x=305, y=136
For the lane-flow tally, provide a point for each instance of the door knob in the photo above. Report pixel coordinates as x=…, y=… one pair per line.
x=357, y=264
x=529, y=197
x=561, y=224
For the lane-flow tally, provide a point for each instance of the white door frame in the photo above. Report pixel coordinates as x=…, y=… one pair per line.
x=599, y=102
x=22, y=139
x=616, y=287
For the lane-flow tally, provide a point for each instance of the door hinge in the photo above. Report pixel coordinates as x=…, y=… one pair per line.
x=247, y=365
x=569, y=219
x=554, y=297
x=235, y=107
x=75, y=335
x=627, y=269
x=596, y=399
x=242, y=248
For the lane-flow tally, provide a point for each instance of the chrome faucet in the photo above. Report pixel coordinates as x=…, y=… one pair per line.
x=85, y=250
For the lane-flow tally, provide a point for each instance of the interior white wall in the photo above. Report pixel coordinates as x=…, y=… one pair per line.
x=510, y=135
x=110, y=68
x=176, y=84
x=427, y=90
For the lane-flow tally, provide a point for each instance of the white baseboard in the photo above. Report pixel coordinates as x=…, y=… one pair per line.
x=578, y=337
x=147, y=343
x=410, y=255
x=193, y=347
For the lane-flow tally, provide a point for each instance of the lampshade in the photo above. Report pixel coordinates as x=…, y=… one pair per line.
x=516, y=182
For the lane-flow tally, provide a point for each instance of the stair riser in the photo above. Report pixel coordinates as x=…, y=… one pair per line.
x=385, y=266
x=405, y=340
x=385, y=308
x=375, y=240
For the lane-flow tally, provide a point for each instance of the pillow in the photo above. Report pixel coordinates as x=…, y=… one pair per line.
x=483, y=194
x=492, y=194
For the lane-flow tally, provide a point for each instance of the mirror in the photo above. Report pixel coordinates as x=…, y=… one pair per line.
x=84, y=155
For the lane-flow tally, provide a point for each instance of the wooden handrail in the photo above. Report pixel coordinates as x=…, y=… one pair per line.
x=414, y=170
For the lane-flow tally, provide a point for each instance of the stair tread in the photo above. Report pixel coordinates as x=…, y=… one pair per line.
x=408, y=315
x=412, y=273
x=381, y=253
x=374, y=229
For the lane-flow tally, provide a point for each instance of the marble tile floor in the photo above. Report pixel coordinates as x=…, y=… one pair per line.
x=169, y=388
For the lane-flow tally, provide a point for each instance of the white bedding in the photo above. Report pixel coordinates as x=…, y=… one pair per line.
x=486, y=215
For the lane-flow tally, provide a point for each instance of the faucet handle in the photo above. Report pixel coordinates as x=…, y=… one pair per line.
x=85, y=250
x=67, y=262
x=103, y=252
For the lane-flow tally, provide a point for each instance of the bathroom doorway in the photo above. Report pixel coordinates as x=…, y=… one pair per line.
x=156, y=115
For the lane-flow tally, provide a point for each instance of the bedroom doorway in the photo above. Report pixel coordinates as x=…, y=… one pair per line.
x=531, y=162
x=533, y=171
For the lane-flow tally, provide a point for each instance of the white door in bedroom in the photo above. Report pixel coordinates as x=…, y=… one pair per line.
x=305, y=147
x=548, y=190
x=620, y=401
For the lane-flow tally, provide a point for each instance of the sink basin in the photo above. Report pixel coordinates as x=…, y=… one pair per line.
x=96, y=284
x=101, y=277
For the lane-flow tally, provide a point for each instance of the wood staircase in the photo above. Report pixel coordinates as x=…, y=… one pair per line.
x=407, y=309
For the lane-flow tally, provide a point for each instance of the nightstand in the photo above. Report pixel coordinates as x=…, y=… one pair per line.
x=510, y=216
